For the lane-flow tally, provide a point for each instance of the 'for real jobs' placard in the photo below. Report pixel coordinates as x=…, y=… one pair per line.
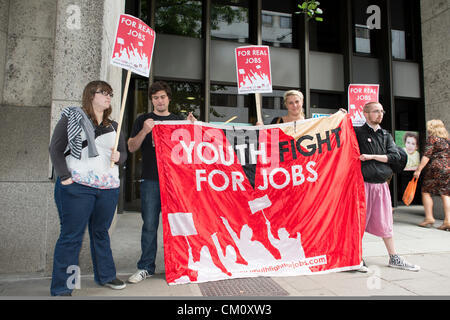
x=358, y=96
x=253, y=69
x=134, y=43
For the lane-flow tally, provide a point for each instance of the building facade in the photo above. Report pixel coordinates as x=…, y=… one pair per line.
x=49, y=50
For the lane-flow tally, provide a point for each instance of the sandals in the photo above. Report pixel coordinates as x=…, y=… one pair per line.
x=426, y=223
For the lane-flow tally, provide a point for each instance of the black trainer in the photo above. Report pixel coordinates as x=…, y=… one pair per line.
x=116, y=284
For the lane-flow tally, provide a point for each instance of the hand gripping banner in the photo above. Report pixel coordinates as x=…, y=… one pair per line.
x=277, y=200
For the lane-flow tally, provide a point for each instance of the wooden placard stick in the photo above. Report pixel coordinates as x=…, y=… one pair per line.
x=122, y=110
x=258, y=99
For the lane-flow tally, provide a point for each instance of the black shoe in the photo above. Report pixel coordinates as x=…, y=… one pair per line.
x=65, y=294
x=116, y=284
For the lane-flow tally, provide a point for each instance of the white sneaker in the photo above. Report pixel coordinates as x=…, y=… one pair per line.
x=395, y=261
x=138, y=276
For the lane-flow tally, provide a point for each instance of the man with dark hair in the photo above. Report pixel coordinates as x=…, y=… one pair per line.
x=378, y=150
x=160, y=95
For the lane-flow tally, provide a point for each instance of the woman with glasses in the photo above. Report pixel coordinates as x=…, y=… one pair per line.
x=87, y=187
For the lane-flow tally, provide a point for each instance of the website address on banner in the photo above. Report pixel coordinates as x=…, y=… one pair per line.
x=307, y=262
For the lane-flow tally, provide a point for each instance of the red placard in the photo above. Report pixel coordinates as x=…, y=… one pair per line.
x=358, y=96
x=134, y=43
x=253, y=69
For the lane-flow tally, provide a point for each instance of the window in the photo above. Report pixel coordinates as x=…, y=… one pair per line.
x=365, y=39
x=408, y=117
x=144, y=10
x=229, y=20
x=227, y=103
x=325, y=103
x=325, y=36
x=270, y=102
x=407, y=112
x=362, y=39
x=267, y=20
x=272, y=105
x=277, y=23
x=286, y=22
x=137, y=104
x=186, y=97
x=224, y=100
x=180, y=17
x=402, y=29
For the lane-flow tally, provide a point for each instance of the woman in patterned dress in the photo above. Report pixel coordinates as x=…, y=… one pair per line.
x=436, y=177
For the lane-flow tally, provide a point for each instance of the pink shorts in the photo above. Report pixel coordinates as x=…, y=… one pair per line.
x=379, y=221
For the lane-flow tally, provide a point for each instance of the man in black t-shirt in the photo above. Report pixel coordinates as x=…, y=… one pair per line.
x=141, y=137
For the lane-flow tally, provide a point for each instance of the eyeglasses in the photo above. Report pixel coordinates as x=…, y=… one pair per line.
x=378, y=111
x=105, y=93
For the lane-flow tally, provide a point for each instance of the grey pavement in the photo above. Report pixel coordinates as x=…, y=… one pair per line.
x=427, y=247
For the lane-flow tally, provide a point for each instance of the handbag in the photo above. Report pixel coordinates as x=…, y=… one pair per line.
x=410, y=191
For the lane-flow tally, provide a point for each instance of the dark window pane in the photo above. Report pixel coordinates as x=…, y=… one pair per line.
x=365, y=39
x=272, y=105
x=325, y=36
x=186, y=97
x=229, y=20
x=277, y=23
x=227, y=103
x=325, y=103
x=402, y=29
x=180, y=17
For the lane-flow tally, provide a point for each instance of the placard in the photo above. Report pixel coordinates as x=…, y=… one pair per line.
x=253, y=69
x=133, y=46
x=358, y=96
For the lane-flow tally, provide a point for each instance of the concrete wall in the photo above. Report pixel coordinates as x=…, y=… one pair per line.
x=436, y=65
x=4, y=19
x=436, y=58
x=49, y=50
x=27, y=33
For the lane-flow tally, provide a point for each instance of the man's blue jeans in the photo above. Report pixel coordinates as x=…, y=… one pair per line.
x=151, y=209
x=79, y=206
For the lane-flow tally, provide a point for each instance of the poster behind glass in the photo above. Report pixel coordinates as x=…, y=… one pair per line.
x=409, y=141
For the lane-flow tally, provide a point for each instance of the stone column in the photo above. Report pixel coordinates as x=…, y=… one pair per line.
x=27, y=31
x=49, y=50
x=85, y=32
x=83, y=46
x=4, y=19
x=435, y=16
x=436, y=58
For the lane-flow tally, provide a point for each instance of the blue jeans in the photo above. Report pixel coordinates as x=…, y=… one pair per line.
x=80, y=206
x=151, y=209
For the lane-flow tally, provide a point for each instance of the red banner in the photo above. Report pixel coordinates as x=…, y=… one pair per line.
x=278, y=200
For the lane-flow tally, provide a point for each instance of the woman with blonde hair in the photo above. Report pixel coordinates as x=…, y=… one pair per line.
x=436, y=177
x=293, y=101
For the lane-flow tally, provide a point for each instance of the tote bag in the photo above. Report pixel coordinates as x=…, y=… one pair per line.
x=410, y=191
